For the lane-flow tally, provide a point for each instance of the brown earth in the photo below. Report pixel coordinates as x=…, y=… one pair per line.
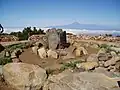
x=29, y=57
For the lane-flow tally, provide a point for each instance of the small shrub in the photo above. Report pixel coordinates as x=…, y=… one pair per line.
x=71, y=64
x=13, y=47
x=5, y=60
x=103, y=46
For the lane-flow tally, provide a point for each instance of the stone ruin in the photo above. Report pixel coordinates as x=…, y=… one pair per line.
x=53, y=39
x=56, y=38
x=54, y=44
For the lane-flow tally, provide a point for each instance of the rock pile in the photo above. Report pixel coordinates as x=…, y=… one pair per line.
x=37, y=37
x=109, y=61
x=23, y=76
x=6, y=38
x=99, y=37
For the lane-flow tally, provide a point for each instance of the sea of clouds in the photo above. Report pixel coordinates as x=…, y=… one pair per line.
x=74, y=31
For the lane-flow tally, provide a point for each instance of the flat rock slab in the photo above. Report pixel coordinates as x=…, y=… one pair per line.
x=80, y=81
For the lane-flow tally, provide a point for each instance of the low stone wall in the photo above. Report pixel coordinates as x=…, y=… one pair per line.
x=12, y=42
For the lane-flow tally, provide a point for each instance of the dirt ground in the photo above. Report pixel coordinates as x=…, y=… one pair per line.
x=29, y=57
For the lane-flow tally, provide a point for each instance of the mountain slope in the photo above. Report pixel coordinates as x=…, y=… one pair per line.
x=77, y=25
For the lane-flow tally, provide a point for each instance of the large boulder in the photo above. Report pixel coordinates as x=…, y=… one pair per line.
x=80, y=81
x=42, y=52
x=22, y=76
x=52, y=54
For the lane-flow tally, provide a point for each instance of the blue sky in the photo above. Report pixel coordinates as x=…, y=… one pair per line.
x=21, y=13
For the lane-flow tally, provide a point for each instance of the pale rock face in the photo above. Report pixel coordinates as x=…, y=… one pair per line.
x=22, y=76
x=80, y=81
x=35, y=50
x=42, y=52
x=87, y=65
x=52, y=54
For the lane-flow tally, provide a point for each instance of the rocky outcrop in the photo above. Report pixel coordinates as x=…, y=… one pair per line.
x=80, y=81
x=22, y=76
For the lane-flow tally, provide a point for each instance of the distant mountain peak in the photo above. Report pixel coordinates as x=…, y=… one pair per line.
x=75, y=23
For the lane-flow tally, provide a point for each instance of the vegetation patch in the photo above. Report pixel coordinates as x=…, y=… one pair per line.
x=71, y=65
